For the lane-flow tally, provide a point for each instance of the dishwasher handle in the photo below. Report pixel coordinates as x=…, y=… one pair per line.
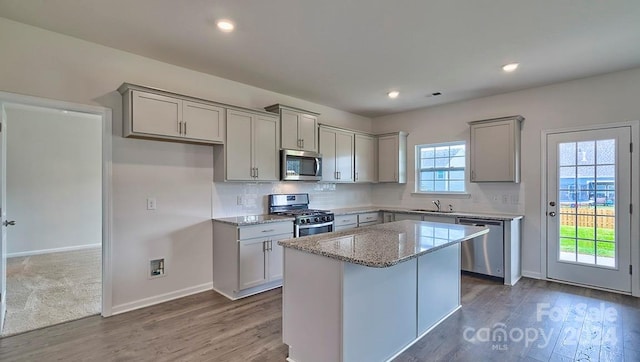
x=478, y=222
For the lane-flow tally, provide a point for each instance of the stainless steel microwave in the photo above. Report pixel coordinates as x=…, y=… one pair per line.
x=300, y=165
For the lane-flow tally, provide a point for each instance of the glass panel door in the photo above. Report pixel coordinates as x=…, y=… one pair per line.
x=588, y=197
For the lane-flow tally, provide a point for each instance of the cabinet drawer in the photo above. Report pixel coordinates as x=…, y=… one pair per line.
x=265, y=230
x=345, y=220
x=363, y=224
x=368, y=217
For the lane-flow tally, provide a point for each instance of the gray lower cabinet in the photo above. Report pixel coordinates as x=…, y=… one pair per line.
x=345, y=222
x=368, y=219
x=247, y=259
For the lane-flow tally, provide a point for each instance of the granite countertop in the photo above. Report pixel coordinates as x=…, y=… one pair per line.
x=483, y=215
x=253, y=219
x=385, y=245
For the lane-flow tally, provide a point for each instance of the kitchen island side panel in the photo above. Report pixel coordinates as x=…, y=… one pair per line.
x=312, y=307
x=438, y=286
x=379, y=310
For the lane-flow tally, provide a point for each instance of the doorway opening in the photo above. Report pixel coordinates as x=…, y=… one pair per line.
x=54, y=212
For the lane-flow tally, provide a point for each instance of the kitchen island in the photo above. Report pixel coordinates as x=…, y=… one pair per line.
x=368, y=294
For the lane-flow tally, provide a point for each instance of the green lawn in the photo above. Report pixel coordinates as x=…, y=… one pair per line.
x=605, y=243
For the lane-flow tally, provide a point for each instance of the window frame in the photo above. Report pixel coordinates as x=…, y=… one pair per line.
x=418, y=168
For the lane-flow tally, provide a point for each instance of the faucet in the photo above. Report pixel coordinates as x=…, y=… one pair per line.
x=437, y=203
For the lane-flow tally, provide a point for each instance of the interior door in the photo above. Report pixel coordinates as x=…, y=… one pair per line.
x=3, y=216
x=588, y=207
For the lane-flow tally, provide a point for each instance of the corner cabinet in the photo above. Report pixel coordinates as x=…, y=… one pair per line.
x=247, y=259
x=251, y=150
x=299, y=128
x=495, y=150
x=392, y=157
x=336, y=147
x=155, y=114
x=365, y=158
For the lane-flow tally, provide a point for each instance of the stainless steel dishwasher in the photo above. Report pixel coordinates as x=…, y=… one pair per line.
x=484, y=254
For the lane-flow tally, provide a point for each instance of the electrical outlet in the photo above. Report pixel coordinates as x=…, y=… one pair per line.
x=514, y=199
x=151, y=203
x=239, y=200
x=505, y=199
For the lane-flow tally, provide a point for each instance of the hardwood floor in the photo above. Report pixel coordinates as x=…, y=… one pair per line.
x=574, y=324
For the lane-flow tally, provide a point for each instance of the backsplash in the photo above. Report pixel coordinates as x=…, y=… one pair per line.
x=490, y=197
x=250, y=198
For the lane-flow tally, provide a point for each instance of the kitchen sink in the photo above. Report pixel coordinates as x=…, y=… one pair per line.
x=435, y=211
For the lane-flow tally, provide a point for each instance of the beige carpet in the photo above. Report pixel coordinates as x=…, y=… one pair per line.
x=48, y=289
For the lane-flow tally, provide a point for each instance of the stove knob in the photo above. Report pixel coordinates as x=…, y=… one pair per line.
x=330, y=218
x=302, y=221
x=323, y=218
x=316, y=219
x=308, y=221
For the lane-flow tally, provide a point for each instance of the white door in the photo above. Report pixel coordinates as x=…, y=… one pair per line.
x=3, y=216
x=588, y=207
x=365, y=158
x=289, y=127
x=308, y=132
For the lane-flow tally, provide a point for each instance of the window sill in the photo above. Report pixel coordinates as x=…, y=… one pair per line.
x=452, y=195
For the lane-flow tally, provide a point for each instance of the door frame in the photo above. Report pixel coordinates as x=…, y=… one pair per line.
x=635, y=197
x=107, y=217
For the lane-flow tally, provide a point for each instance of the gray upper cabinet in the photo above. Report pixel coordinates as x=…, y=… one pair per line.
x=251, y=151
x=336, y=146
x=299, y=128
x=392, y=157
x=155, y=114
x=495, y=150
x=365, y=158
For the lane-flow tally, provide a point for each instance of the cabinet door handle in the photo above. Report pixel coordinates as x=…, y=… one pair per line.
x=356, y=178
x=302, y=142
x=185, y=128
x=179, y=127
x=264, y=246
x=473, y=175
x=268, y=231
x=270, y=245
x=257, y=172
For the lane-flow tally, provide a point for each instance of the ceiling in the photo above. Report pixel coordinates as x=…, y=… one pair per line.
x=348, y=54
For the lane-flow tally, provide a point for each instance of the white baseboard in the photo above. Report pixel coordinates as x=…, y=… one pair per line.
x=146, y=302
x=55, y=250
x=533, y=275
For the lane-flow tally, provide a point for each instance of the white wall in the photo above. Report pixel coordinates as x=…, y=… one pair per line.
x=597, y=100
x=45, y=64
x=54, y=180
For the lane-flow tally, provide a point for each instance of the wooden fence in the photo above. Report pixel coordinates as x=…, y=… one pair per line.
x=585, y=217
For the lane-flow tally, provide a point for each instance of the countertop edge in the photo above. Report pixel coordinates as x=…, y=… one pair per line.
x=229, y=221
x=477, y=215
x=291, y=244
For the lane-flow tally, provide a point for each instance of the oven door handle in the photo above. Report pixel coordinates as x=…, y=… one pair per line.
x=297, y=227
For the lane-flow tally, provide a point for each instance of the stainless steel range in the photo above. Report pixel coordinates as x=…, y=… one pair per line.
x=307, y=221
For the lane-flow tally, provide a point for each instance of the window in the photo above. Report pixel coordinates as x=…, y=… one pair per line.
x=440, y=168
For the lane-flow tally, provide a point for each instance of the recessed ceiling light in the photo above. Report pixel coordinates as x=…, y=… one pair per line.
x=226, y=25
x=510, y=67
x=393, y=94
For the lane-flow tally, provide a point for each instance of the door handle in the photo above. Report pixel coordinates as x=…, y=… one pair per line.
x=185, y=128
x=9, y=223
x=552, y=213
